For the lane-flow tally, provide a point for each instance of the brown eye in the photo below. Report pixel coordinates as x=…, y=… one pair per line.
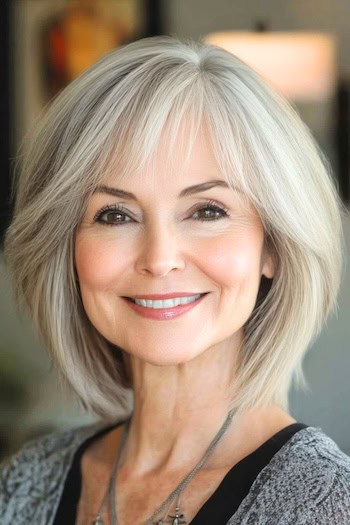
x=112, y=216
x=211, y=212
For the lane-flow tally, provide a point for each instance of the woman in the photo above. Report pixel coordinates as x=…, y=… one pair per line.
x=176, y=237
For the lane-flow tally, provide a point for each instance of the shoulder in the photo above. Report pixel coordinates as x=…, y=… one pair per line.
x=32, y=480
x=306, y=482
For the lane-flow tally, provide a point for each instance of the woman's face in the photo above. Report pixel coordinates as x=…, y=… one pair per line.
x=161, y=242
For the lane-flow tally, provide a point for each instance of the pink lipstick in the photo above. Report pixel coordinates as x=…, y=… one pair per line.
x=163, y=314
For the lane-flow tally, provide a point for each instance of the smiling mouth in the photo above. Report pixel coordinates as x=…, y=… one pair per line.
x=166, y=303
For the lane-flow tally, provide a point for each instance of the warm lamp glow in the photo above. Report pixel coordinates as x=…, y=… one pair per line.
x=302, y=66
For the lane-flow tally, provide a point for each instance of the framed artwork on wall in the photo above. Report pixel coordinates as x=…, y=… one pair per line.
x=81, y=31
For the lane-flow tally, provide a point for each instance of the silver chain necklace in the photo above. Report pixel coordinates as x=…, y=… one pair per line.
x=178, y=517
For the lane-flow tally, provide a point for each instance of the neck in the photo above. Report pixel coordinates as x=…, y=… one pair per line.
x=178, y=409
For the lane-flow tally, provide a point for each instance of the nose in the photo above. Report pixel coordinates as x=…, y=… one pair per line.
x=160, y=252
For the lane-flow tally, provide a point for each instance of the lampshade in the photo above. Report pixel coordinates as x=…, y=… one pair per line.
x=301, y=65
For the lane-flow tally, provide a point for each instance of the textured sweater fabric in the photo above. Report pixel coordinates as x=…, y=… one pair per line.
x=306, y=482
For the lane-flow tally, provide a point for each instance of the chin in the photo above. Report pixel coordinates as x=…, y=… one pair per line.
x=164, y=358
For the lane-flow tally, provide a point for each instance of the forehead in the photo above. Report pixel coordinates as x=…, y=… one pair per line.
x=172, y=172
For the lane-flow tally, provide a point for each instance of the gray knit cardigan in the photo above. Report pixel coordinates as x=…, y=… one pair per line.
x=306, y=482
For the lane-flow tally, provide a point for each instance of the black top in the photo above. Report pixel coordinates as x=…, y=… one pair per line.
x=221, y=505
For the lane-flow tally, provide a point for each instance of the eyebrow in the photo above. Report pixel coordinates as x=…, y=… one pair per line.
x=184, y=193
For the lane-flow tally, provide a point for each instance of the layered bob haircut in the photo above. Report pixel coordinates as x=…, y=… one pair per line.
x=111, y=120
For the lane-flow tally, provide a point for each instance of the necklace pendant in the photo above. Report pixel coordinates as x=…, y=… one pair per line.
x=178, y=518
x=97, y=521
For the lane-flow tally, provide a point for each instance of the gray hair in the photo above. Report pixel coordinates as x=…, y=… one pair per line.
x=114, y=115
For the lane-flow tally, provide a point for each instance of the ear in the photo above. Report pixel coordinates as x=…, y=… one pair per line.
x=268, y=268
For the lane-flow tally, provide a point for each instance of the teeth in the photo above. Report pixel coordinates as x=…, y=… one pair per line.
x=167, y=303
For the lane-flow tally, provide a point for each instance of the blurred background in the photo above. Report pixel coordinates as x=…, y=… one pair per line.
x=302, y=47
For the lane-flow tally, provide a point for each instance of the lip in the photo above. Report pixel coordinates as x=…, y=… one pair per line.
x=163, y=314
x=165, y=295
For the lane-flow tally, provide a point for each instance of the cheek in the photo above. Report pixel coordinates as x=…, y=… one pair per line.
x=234, y=259
x=96, y=263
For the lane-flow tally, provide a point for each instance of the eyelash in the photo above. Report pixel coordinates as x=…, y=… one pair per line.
x=117, y=208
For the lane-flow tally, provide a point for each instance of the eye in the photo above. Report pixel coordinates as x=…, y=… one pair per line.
x=116, y=215
x=112, y=215
x=212, y=211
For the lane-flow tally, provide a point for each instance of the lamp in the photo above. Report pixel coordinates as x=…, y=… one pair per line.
x=300, y=65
